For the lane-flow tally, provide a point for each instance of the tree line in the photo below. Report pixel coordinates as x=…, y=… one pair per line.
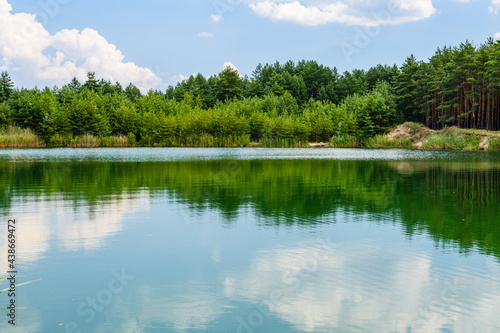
x=280, y=104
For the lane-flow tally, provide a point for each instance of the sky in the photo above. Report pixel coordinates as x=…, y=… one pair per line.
x=157, y=43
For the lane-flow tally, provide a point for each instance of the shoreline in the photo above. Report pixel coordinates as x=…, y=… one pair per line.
x=412, y=136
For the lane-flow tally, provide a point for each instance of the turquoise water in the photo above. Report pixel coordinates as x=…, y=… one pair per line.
x=252, y=240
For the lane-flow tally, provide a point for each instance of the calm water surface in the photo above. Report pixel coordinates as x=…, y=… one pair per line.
x=253, y=240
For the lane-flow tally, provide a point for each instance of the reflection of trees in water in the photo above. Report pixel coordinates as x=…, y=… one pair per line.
x=453, y=201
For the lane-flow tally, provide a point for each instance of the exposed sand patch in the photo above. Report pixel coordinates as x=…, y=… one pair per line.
x=416, y=132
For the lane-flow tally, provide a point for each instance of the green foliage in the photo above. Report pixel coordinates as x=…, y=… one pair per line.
x=344, y=141
x=230, y=85
x=494, y=143
x=131, y=139
x=451, y=141
x=6, y=86
x=92, y=83
x=5, y=115
x=287, y=104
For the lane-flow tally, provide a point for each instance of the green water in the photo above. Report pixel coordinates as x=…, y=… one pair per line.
x=253, y=240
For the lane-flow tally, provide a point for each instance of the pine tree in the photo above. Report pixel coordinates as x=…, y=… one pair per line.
x=6, y=86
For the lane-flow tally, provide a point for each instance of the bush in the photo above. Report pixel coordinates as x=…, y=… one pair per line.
x=58, y=140
x=494, y=143
x=131, y=139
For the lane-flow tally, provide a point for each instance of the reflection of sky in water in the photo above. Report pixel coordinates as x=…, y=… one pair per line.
x=353, y=276
x=195, y=271
x=72, y=227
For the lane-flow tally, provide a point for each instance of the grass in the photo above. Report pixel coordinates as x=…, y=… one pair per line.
x=473, y=131
x=85, y=141
x=115, y=141
x=382, y=141
x=452, y=141
x=344, y=141
x=208, y=141
x=415, y=126
x=282, y=143
x=494, y=143
x=17, y=285
x=15, y=137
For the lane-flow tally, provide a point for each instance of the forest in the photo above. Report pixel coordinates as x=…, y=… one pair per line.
x=284, y=105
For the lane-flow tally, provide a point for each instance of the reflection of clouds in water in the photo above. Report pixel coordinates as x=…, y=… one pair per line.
x=333, y=287
x=192, y=306
x=79, y=229
x=75, y=227
x=366, y=287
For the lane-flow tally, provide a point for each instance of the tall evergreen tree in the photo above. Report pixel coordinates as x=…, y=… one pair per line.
x=6, y=86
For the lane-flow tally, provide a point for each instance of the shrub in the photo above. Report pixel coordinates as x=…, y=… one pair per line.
x=494, y=143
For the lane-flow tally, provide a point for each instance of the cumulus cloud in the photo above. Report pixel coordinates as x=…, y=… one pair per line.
x=181, y=77
x=350, y=12
x=230, y=65
x=30, y=50
x=206, y=34
x=497, y=36
x=495, y=6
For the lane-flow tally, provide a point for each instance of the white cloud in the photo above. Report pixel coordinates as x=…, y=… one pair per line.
x=350, y=12
x=497, y=36
x=30, y=50
x=216, y=18
x=181, y=77
x=230, y=65
x=206, y=34
x=322, y=289
x=495, y=6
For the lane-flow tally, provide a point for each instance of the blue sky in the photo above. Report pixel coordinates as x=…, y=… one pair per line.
x=154, y=43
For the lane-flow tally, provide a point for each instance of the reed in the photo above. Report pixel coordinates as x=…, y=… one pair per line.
x=344, y=141
x=115, y=141
x=15, y=137
x=85, y=141
x=272, y=142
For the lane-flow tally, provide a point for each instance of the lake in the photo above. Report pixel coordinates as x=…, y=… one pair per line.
x=252, y=240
